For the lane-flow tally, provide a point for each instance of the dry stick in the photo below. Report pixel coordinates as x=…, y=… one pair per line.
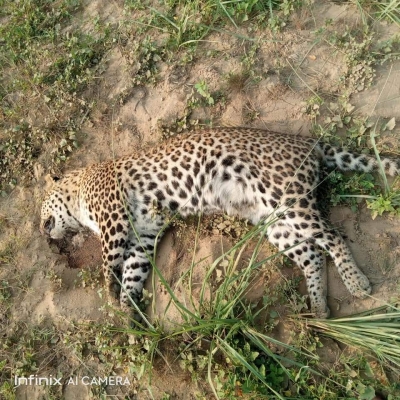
x=305, y=83
x=372, y=137
x=380, y=94
x=305, y=56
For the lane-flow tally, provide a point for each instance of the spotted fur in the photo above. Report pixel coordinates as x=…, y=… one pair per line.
x=258, y=175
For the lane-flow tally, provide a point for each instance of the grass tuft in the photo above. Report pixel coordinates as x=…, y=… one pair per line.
x=375, y=331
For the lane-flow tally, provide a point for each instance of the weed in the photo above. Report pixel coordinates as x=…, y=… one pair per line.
x=360, y=61
x=312, y=106
x=21, y=148
x=54, y=278
x=5, y=291
x=384, y=203
x=375, y=331
x=202, y=89
x=30, y=22
x=74, y=67
x=6, y=389
x=351, y=189
x=242, y=11
x=9, y=249
x=361, y=56
x=373, y=9
x=88, y=278
x=249, y=59
x=147, y=55
x=181, y=124
x=33, y=349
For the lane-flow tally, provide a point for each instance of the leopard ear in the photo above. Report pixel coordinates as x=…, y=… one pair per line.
x=49, y=181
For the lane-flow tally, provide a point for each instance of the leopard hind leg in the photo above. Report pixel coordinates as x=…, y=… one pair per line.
x=313, y=227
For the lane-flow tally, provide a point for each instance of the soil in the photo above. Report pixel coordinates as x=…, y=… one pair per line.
x=48, y=275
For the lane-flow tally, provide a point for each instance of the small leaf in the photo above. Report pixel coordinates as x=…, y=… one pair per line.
x=347, y=119
x=367, y=393
x=273, y=314
x=369, y=124
x=353, y=374
x=254, y=355
x=390, y=125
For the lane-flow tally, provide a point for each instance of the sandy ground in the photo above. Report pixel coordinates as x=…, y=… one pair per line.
x=49, y=294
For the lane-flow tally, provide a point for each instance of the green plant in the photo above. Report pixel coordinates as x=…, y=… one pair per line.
x=202, y=89
x=187, y=24
x=147, y=57
x=373, y=9
x=384, y=203
x=54, y=278
x=375, y=331
x=351, y=189
x=88, y=278
x=6, y=389
x=5, y=291
x=79, y=55
x=361, y=54
x=241, y=11
x=312, y=106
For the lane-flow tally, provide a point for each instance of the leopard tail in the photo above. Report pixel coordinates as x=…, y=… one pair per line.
x=345, y=160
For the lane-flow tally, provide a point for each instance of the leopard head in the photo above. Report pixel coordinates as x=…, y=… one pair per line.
x=58, y=213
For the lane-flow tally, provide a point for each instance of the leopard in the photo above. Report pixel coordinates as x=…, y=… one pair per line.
x=258, y=175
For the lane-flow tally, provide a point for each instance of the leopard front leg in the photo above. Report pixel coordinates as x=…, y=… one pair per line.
x=113, y=242
x=128, y=248
x=138, y=256
x=136, y=268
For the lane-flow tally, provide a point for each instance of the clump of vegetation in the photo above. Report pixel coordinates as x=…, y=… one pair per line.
x=33, y=351
x=360, y=134
x=88, y=278
x=45, y=71
x=374, y=331
x=343, y=126
x=221, y=338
